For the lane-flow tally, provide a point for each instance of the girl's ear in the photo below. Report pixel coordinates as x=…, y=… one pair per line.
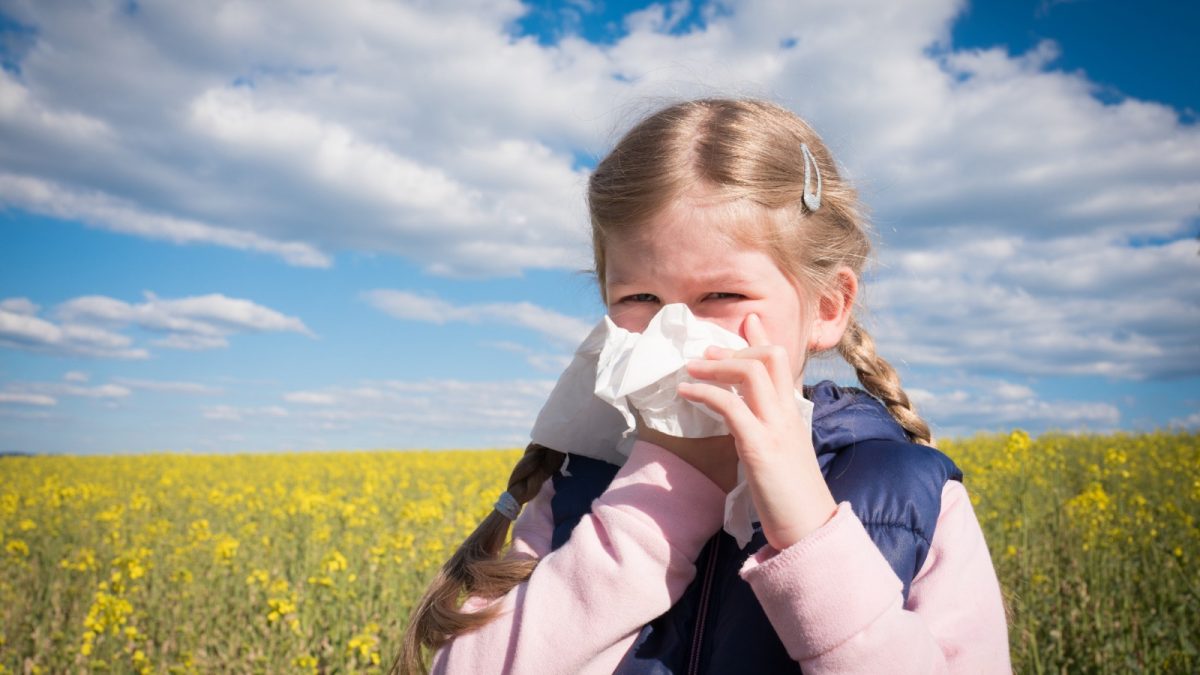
x=834, y=310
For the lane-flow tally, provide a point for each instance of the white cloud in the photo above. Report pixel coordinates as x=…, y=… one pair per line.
x=48, y=393
x=75, y=376
x=542, y=362
x=104, y=211
x=399, y=414
x=191, y=342
x=98, y=391
x=964, y=405
x=309, y=398
x=560, y=328
x=21, y=306
x=168, y=386
x=1192, y=421
x=204, y=315
x=429, y=131
x=425, y=413
x=229, y=413
x=1084, y=306
x=1013, y=203
x=27, y=399
x=86, y=324
x=24, y=331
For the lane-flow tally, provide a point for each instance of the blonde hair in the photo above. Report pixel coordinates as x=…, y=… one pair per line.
x=746, y=154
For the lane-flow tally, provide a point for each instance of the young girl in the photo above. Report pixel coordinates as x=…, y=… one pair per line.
x=867, y=558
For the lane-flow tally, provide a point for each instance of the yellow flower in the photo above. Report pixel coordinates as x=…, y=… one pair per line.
x=366, y=644
x=225, y=550
x=279, y=608
x=334, y=562
x=306, y=663
x=83, y=560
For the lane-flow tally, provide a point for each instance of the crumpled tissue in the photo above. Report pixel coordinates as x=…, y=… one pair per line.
x=615, y=372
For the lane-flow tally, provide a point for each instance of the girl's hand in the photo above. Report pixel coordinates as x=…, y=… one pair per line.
x=772, y=440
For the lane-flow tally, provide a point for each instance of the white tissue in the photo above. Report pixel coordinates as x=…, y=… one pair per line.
x=574, y=420
x=642, y=371
x=615, y=372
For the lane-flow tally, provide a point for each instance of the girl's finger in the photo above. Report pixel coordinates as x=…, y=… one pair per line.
x=751, y=378
x=743, y=424
x=773, y=356
x=754, y=331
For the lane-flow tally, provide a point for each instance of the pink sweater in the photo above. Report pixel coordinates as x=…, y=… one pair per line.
x=832, y=597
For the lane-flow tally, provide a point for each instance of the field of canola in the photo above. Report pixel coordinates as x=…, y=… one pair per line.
x=309, y=562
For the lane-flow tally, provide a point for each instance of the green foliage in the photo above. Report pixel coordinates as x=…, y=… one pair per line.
x=1095, y=541
x=311, y=562
x=299, y=562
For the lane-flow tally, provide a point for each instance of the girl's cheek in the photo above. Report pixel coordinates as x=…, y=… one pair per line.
x=728, y=317
x=731, y=319
x=633, y=319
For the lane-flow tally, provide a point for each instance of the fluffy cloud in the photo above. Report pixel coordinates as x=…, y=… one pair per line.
x=168, y=386
x=24, y=398
x=229, y=413
x=100, y=210
x=423, y=413
x=969, y=404
x=1027, y=224
x=21, y=329
x=389, y=413
x=1080, y=306
x=560, y=328
x=87, y=325
x=1192, y=421
x=551, y=363
x=49, y=393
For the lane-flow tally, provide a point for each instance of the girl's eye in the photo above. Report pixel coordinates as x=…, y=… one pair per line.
x=640, y=297
x=725, y=296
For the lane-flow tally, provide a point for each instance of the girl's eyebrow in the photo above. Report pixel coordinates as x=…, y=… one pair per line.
x=725, y=278
x=722, y=279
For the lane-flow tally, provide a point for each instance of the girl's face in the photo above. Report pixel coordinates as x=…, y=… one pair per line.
x=683, y=256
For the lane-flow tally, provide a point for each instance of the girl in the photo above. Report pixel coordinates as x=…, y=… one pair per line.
x=868, y=557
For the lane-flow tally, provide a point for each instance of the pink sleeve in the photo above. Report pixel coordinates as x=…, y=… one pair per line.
x=626, y=562
x=534, y=529
x=837, y=605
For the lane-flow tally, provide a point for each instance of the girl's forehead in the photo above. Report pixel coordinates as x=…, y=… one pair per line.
x=734, y=222
x=681, y=253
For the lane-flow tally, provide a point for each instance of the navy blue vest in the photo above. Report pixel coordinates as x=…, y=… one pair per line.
x=894, y=486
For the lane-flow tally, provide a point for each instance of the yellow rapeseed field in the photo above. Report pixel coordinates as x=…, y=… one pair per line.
x=309, y=562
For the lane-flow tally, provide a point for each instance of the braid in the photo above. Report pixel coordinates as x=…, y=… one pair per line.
x=475, y=569
x=881, y=381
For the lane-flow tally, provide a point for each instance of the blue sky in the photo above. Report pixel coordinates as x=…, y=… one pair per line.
x=226, y=228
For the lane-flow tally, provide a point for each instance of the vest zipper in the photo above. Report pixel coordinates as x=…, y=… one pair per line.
x=706, y=591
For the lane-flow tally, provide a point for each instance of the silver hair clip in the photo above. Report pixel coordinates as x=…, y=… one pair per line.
x=811, y=199
x=508, y=506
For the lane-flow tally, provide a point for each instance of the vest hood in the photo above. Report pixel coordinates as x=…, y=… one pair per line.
x=843, y=416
